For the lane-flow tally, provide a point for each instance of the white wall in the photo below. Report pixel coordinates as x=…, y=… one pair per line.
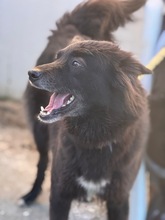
x=130, y=37
x=24, y=28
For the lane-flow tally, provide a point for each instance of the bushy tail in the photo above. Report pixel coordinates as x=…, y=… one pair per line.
x=130, y=6
x=97, y=18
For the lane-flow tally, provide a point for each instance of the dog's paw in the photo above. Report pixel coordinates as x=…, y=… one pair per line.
x=21, y=202
x=29, y=198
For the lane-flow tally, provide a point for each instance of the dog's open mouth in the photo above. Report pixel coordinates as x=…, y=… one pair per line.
x=58, y=103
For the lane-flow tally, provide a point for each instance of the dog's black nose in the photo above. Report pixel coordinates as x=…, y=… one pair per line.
x=34, y=74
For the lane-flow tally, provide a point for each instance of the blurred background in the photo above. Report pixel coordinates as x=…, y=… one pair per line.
x=25, y=26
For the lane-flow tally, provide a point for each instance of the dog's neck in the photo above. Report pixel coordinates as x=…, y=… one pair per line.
x=96, y=129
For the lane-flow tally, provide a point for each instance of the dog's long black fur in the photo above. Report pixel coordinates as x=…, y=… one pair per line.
x=101, y=113
x=93, y=19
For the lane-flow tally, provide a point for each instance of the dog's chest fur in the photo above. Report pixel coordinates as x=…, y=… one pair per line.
x=91, y=188
x=94, y=171
x=93, y=166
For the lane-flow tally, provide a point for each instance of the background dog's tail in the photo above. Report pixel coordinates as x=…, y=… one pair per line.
x=130, y=6
x=97, y=18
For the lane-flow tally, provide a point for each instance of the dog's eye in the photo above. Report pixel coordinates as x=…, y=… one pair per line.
x=76, y=63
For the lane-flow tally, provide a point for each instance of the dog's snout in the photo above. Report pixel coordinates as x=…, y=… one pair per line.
x=34, y=74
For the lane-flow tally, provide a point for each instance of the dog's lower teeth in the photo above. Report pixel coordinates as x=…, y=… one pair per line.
x=68, y=102
x=42, y=108
x=44, y=113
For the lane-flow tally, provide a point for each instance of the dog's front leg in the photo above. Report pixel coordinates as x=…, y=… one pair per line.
x=59, y=206
x=63, y=191
x=118, y=197
x=118, y=211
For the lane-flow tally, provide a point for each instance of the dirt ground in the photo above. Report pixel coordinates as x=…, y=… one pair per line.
x=18, y=160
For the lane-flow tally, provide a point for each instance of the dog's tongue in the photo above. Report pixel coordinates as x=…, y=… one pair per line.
x=56, y=101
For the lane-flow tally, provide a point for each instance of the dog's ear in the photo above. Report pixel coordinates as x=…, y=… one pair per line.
x=130, y=65
x=79, y=38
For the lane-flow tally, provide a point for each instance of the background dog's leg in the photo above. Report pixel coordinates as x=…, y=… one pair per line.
x=40, y=132
x=118, y=211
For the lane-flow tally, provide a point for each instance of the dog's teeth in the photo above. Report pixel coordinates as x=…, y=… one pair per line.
x=42, y=108
x=43, y=113
x=70, y=100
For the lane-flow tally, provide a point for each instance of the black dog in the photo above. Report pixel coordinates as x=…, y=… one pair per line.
x=103, y=123
x=94, y=19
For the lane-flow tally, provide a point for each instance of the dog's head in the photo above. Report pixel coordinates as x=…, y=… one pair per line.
x=90, y=75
